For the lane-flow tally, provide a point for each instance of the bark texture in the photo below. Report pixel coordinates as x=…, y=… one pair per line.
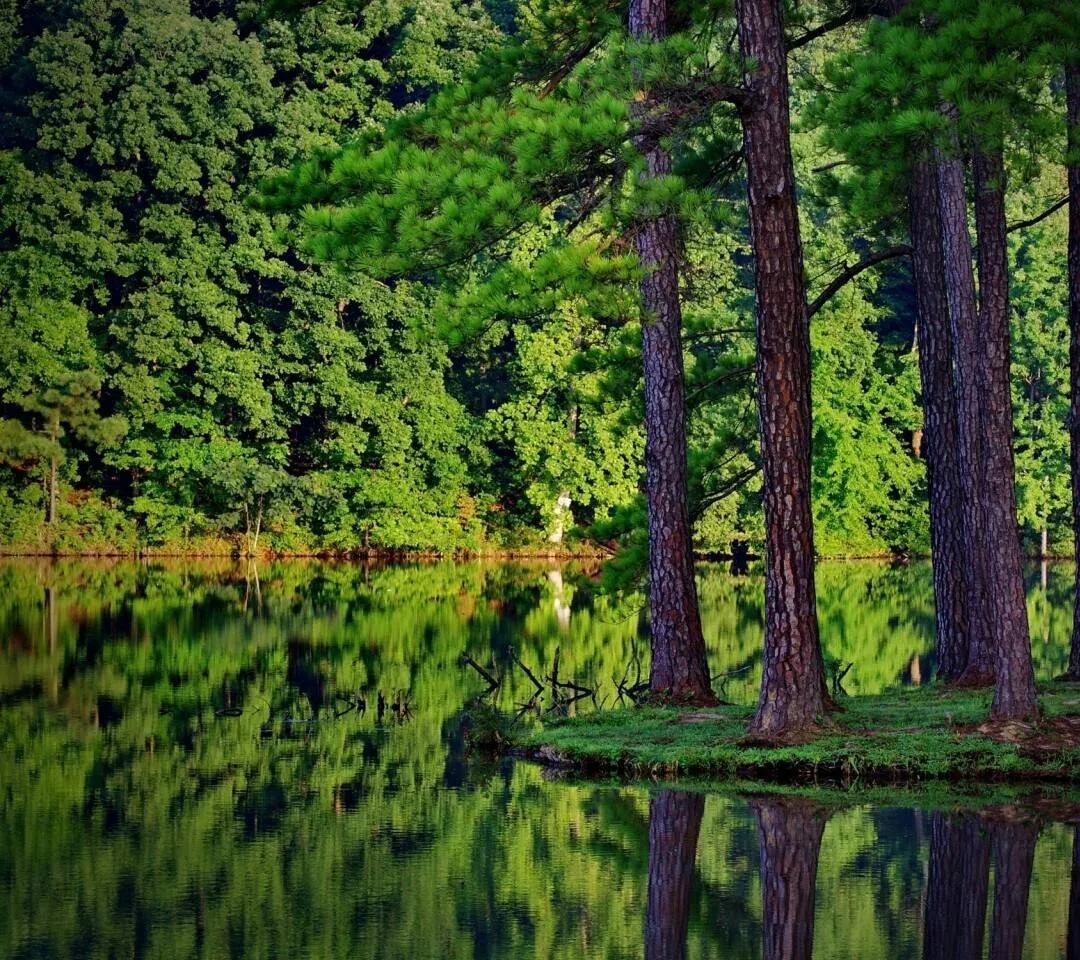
x=679, y=668
x=1072, y=96
x=793, y=677
x=967, y=352
x=789, y=837
x=1014, y=855
x=674, y=824
x=956, y=890
x=934, y=343
x=1014, y=687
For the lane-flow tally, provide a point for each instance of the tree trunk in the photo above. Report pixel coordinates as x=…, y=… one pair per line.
x=956, y=889
x=54, y=469
x=674, y=823
x=793, y=676
x=1072, y=93
x=967, y=351
x=679, y=671
x=562, y=517
x=789, y=837
x=1014, y=688
x=1072, y=948
x=258, y=529
x=1014, y=855
x=939, y=418
x=53, y=472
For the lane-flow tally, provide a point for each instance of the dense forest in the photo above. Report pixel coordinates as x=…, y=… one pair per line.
x=672, y=274
x=184, y=364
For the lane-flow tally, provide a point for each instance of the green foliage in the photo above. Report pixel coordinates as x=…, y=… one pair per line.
x=473, y=170
x=251, y=384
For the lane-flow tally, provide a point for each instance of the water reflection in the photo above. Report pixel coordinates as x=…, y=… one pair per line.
x=202, y=760
x=789, y=835
x=1073, y=941
x=674, y=823
x=790, y=829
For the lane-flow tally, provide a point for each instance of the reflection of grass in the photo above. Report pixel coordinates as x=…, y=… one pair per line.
x=1050, y=801
x=909, y=735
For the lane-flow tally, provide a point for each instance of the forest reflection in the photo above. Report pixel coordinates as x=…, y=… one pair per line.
x=962, y=847
x=201, y=760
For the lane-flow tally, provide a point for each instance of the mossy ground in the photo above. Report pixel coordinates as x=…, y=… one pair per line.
x=913, y=734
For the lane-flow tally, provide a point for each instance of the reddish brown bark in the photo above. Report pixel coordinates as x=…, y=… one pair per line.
x=939, y=424
x=1072, y=96
x=674, y=823
x=1014, y=855
x=967, y=352
x=789, y=836
x=957, y=885
x=1014, y=687
x=679, y=668
x=793, y=682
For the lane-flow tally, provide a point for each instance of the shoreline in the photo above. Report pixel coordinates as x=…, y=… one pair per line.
x=389, y=555
x=914, y=736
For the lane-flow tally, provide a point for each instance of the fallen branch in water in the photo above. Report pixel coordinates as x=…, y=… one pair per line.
x=532, y=676
x=492, y=683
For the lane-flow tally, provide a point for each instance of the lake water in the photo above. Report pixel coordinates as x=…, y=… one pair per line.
x=186, y=771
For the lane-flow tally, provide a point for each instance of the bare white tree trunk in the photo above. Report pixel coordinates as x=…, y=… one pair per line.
x=562, y=517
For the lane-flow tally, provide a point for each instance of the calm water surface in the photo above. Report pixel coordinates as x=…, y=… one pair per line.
x=185, y=771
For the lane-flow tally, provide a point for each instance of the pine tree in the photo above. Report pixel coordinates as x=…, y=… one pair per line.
x=679, y=670
x=793, y=681
x=549, y=127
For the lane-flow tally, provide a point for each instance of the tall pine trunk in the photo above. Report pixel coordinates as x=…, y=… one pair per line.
x=939, y=424
x=1014, y=687
x=789, y=839
x=1072, y=94
x=679, y=671
x=967, y=352
x=674, y=823
x=793, y=682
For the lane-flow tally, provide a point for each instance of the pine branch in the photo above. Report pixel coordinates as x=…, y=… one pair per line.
x=859, y=11
x=849, y=273
x=710, y=334
x=563, y=70
x=717, y=381
x=840, y=20
x=1049, y=211
x=735, y=484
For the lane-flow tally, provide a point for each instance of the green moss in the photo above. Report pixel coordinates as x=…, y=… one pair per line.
x=919, y=733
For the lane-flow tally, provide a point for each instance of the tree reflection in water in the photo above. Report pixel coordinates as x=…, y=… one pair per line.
x=177, y=767
x=1073, y=942
x=789, y=833
x=790, y=830
x=674, y=822
x=789, y=836
x=956, y=888
x=1013, y=842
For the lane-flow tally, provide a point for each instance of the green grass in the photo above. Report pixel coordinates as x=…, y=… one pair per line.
x=915, y=734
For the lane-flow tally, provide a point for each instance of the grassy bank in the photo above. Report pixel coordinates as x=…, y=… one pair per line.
x=919, y=733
